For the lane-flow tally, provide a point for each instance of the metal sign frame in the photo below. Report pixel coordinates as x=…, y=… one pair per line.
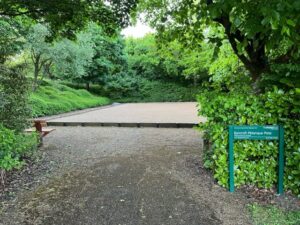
x=256, y=133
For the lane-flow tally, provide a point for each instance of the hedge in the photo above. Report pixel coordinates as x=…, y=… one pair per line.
x=255, y=161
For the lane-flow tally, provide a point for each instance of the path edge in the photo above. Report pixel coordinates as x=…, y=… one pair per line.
x=78, y=112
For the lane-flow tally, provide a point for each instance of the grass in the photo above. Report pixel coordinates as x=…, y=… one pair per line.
x=53, y=98
x=271, y=215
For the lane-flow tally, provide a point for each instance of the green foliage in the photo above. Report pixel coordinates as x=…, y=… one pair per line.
x=13, y=147
x=14, y=110
x=287, y=75
x=130, y=88
x=93, y=56
x=143, y=58
x=226, y=71
x=255, y=29
x=11, y=39
x=255, y=161
x=54, y=98
x=40, y=50
x=71, y=58
x=121, y=85
x=153, y=73
x=94, y=89
x=137, y=89
x=66, y=16
x=196, y=62
x=160, y=91
x=108, y=58
x=271, y=215
x=36, y=39
x=168, y=61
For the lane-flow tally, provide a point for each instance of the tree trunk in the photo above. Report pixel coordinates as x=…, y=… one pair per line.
x=195, y=81
x=36, y=73
x=254, y=59
x=88, y=86
x=47, y=70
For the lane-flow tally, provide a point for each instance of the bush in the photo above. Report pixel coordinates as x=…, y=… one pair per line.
x=14, y=110
x=255, y=161
x=163, y=91
x=137, y=89
x=13, y=147
x=120, y=85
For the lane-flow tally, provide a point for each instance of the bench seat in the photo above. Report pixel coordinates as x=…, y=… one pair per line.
x=45, y=131
x=40, y=126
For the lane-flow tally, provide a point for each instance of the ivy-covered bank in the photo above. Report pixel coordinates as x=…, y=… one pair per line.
x=53, y=98
x=255, y=161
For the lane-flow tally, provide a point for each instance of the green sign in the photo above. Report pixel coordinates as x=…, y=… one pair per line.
x=256, y=133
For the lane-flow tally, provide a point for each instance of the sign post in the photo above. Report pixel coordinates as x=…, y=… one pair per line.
x=256, y=133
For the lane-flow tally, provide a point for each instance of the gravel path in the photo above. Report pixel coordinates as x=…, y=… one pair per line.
x=125, y=176
x=185, y=112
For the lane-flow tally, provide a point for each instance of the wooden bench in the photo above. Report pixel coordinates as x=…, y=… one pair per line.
x=40, y=126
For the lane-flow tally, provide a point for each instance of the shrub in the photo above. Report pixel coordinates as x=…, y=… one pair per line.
x=255, y=161
x=14, y=110
x=120, y=85
x=13, y=147
x=137, y=89
x=163, y=91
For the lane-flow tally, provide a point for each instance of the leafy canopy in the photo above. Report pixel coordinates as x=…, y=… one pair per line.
x=11, y=40
x=153, y=60
x=67, y=16
x=255, y=29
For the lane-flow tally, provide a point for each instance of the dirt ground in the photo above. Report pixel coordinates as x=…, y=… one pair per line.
x=121, y=176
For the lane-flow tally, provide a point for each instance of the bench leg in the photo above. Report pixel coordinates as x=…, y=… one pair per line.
x=40, y=140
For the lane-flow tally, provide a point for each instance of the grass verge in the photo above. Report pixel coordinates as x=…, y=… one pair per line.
x=271, y=215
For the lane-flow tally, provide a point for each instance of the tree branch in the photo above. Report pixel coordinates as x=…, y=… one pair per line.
x=224, y=21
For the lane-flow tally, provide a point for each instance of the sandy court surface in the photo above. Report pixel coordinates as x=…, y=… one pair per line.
x=185, y=112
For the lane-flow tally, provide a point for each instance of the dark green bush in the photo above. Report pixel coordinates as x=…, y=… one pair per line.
x=132, y=88
x=255, y=161
x=13, y=147
x=14, y=110
x=138, y=89
x=120, y=85
x=163, y=91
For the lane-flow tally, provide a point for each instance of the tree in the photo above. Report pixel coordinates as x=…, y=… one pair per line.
x=197, y=61
x=255, y=29
x=109, y=58
x=40, y=50
x=72, y=58
x=168, y=61
x=93, y=56
x=11, y=40
x=14, y=109
x=66, y=16
x=143, y=57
